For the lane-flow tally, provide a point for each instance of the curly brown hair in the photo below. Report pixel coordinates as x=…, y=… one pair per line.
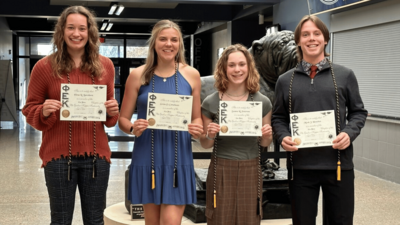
x=61, y=61
x=221, y=79
x=151, y=60
x=297, y=33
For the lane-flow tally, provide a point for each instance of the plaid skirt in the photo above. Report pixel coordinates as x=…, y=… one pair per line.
x=237, y=192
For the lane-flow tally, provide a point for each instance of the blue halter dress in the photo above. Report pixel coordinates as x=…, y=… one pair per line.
x=140, y=191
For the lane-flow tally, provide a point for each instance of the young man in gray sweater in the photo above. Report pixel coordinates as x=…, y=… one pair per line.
x=314, y=85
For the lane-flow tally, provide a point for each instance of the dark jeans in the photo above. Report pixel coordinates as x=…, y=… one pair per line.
x=91, y=190
x=338, y=196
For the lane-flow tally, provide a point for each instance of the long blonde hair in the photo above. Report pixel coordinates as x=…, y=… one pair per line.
x=151, y=61
x=61, y=61
x=221, y=78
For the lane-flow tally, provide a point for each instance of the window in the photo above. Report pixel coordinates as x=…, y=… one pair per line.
x=44, y=49
x=136, y=48
x=41, y=46
x=112, y=48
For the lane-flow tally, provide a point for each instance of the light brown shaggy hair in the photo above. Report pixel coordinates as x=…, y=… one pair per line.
x=221, y=79
x=151, y=61
x=297, y=33
x=61, y=61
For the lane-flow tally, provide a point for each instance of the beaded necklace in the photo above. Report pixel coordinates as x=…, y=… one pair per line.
x=94, y=173
x=337, y=116
x=153, y=173
x=216, y=120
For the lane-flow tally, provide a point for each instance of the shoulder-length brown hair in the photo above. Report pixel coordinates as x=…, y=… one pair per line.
x=60, y=60
x=221, y=79
x=297, y=33
x=151, y=61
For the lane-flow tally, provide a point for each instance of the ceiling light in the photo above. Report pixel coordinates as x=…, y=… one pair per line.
x=112, y=9
x=116, y=8
x=119, y=10
x=109, y=26
x=104, y=25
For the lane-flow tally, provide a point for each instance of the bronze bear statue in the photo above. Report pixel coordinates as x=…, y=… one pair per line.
x=273, y=54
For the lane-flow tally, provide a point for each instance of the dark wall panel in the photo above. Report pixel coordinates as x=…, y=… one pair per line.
x=245, y=31
x=202, y=53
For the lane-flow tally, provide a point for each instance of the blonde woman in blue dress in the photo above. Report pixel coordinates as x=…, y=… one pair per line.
x=163, y=151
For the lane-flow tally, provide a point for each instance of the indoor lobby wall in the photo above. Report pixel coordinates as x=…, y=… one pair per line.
x=219, y=40
x=288, y=13
x=5, y=40
x=377, y=149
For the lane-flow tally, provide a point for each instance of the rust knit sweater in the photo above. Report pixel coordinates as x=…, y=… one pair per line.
x=55, y=133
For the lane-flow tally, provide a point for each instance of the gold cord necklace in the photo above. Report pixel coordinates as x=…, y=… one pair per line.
x=245, y=93
x=165, y=78
x=236, y=99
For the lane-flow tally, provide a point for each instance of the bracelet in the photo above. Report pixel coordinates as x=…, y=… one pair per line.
x=131, y=131
x=212, y=139
x=196, y=139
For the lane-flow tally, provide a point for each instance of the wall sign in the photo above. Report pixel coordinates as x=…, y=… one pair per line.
x=321, y=6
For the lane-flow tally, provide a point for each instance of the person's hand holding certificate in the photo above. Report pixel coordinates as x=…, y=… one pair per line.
x=313, y=129
x=169, y=112
x=83, y=102
x=240, y=118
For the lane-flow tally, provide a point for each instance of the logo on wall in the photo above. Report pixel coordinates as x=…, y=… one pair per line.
x=329, y=2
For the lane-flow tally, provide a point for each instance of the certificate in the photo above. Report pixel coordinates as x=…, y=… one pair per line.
x=313, y=129
x=169, y=111
x=83, y=102
x=240, y=118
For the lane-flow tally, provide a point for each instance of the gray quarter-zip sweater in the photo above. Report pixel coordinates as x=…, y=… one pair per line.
x=316, y=96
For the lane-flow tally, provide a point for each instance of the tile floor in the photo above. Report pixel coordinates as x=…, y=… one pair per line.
x=24, y=200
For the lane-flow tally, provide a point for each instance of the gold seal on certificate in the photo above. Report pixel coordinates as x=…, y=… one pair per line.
x=313, y=129
x=242, y=117
x=152, y=121
x=171, y=111
x=83, y=102
x=224, y=129
x=65, y=113
x=297, y=141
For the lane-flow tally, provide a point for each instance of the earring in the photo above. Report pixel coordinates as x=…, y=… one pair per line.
x=177, y=57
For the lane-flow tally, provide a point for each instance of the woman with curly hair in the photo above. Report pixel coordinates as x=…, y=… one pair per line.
x=74, y=153
x=233, y=180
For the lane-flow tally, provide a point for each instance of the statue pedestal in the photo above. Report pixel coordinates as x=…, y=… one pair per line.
x=118, y=215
